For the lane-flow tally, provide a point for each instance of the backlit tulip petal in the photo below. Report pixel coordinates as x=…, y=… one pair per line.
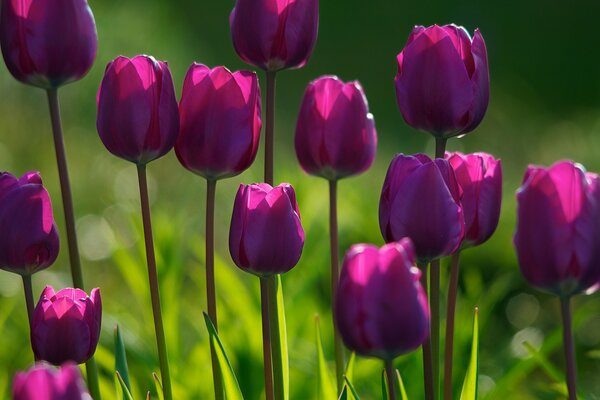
x=44, y=382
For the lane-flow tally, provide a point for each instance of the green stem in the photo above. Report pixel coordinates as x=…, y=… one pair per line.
x=269, y=127
x=440, y=147
x=266, y=332
x=334, y=245
x=91, y=369
x=278, y=377
x=427, y=359
x=389, y=372
x=153, y=278
x=569, y=347
x=450, y=315
x=28, y=297
x=434, y=304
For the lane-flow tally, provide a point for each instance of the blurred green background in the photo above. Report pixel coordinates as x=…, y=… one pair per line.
x=545, y=106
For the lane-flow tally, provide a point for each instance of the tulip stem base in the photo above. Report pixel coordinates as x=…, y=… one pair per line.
x=266, y=332
x=440, y=147
x=274, y=326
x=569, y=347
x=450, y=314
x=427, y=364
x=434, y=301
x=270, y=127
x=389, y=373
x=27, y=287
x=153, y=278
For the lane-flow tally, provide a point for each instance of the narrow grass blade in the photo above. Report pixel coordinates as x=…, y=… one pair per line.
x=353, y=391
x=159, y=386
x=469, y=389
x=121, y=359
x=326, y=388
x=384, y=386
x=349, y=374
x=344, y=394
x=126, y=393
x=403, y=395
x=285, y=361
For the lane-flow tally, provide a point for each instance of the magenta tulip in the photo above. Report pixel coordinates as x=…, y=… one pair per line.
x=479, y=175
x=558, y=228
x=44, y=382
x=138, y=119
x=219, y=121
x=266, y=236
x=381, y=309
x=442, y=83
x=66, y=325
x=421, y=200
x=335, y=133
x=275, y=34
x=29, y=240
x=48, y=43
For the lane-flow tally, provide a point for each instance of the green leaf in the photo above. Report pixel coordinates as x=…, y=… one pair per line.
x=469, y=389
x=158, y=385
x=546, y=365
x=349, y=373
x=344, y=394
x=384, y=386
x=326, y=389
x=403, y=395
x=285, y=361
x=126, y=393
x=353, y=391
x=230, y=382
x=121, y=360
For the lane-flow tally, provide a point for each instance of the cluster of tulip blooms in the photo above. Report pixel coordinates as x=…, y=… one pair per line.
x=386, y=301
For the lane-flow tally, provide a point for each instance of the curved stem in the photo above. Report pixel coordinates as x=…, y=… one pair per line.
x=276, y=355
x=569, y=347
x=334, y=245
x=389, y=373
x=154, y=289
x=266, y=332
x=450, y=314
x=427, y=359
x=434, y=304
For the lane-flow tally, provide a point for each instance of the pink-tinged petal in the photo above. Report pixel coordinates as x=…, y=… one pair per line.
x=481, y=83
x=462, y=42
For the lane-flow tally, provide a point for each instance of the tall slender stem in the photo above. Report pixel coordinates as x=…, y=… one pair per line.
x=153, y=278
x=440, y=147
x=434, y=304
x=389, y=373
x=28, y=297
x=427, y=360
x=569, y=346
x=91, y=369
x=451, y=312
x=270, y=127
x=276, y=355
x=266, y=332
x=211, y=293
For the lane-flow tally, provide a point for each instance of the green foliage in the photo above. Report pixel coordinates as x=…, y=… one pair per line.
x=469, y=389
x=403, y=395
x=326, y=386
x=121, y=360
x=124, y=393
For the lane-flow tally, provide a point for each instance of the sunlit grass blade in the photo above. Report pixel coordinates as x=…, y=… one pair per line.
x=403, y=395
x=230, y=382
x=349, y=373
x=553, y=372
x=353, y=391
x=285, y=361
x=148, y=397
x=469, y=389
x=121, y=359
x=326, y=387
x=384, y=386
x=126, y=393
x=159, y=386
x=344, y=394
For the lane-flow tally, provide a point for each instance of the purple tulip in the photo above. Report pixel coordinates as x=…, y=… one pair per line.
x=138, y=119
x=48, y=43
x=66, y=325
x=421, y=200
x=43, y=382
x=219, y=121
x=266, y=236
x=479, y=175
x=275, y=34
x=29, y=240
x=442, y=83
x=381, y=309
x=558, y=228
x=335, y=133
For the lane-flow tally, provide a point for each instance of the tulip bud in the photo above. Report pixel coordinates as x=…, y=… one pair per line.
x=381, y=308
x=266, y=236
x=275, y=34
x=43, y=382
x=66, y=325
x=138, y=119
x=421, y=200
x=48, y=43
x=219, y=121
x=558, y=228
x=479, y=175
x=29, y=240
x=442, y=85
x=335, y=133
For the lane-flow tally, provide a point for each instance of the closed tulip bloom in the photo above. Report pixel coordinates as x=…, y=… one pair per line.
x=275, y=34
x=442, y=85
x=29, y=240
x=381, y=308
x=266, y=236
x=335, y=133
x=421, y=200
x=219, y=121
x=66, y=325
x=479, y=175
x=43, y=382
x=558, y=228
x=48, y=43
x=138, y=119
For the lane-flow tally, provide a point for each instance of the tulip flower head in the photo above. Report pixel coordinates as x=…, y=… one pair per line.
x=558, y=228
x=275, y=34
x=138, y=119
x=442, y=85
x=66, y=325
x=29, y=240
x=44, y=382
x=219, y=121
x=335, y=133
x=479, y=175
x=266, y=235
x=48, y=43
x=381, y=308
x=421, y=200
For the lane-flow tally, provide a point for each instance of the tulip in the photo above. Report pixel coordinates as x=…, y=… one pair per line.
x=479, y=175
x=138, y=119
x=48, y=43
x=335, y=133
x=275, y=34
x=219, y=121
x=266, y=236
x=421, y=200
x=43, y=382
x=381, y=309
x=29, y=240
x=442, y=85
x=66, y=325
